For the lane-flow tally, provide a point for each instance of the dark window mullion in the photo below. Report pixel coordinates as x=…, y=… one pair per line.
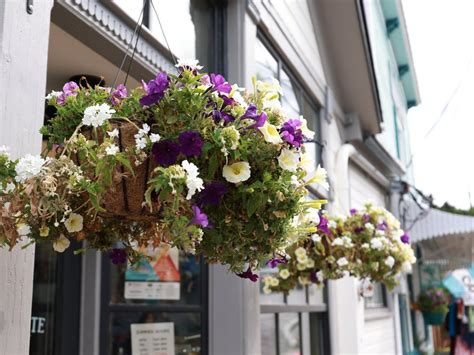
x=277, y=333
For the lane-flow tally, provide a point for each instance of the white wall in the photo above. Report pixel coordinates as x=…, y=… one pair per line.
x=23, y=49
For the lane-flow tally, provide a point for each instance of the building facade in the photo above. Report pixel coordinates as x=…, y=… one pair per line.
x=344, y=65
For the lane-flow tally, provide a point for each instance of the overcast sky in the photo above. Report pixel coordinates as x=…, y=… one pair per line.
x=442, y=41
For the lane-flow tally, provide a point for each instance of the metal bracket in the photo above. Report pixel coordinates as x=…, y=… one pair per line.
x=29, y=6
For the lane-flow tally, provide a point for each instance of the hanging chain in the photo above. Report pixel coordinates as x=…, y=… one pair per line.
x=163, y=32
x=137, y=32
x=139, y=24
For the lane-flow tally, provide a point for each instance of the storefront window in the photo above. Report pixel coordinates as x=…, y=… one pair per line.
x=44, y=297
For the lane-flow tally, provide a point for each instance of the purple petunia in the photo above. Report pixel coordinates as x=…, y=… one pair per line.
x=118, y=256
x=366, y=217
x=314, y=277
x=212, y=193
x=248, y=275
x=251, y=113
x=199, y=219
x=191, y=143
x=228, y=101
x=274, y=262
x=155, y=89
x=69, y=89
x=220, y=84
x=405, y=238
x=291, y=132
x=323, y=225
x=220, y=115
x=382, y=226
x=353, y=211
x=359, y=230
x=118, y=94
x=165, y=152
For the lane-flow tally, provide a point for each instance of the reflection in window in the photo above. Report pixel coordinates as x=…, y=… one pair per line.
x=289, y=100
x=268, y=332
x=378, y=299
x=267, y=66
x=289, y=333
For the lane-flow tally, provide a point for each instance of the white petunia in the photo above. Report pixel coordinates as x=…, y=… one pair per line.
x=74, y=223
x=320, y=275
x=155, y=137
x=289, y=160
x=9, y=188
x=332, y=224
x=270, y=133
x=284, y=274
x=61, y=244
x=320, y=178
x=96, y=115
x=342, y=262
x=114, y=133
x=316, y=238
x=237, y=96
x=112, y=150
x=189, y=63
x=300, y=251
x=53, y=94
x=236, y=172
x=305, y=130
x=406, y=267
x=307, y=163
x=365, y=246
x=28, y=167
x=390, y=261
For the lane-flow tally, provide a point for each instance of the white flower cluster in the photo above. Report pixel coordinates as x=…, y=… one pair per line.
x=96, y=115
x=141, y=138
x=343, y=241
x=193, y=181
x=28, y=166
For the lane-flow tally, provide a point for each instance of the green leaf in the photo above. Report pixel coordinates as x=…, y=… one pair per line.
x=125, y=162
x=255, y=202
x=213, y=163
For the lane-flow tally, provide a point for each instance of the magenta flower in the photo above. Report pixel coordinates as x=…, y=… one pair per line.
x=118, y=94
x=155, y=89
x=118, y=256
x=165, y=152
x=291, y=132
x=323, y=225
x=191, y=143
x=274, y=262
x=220, y=84
x=353, y=211
x=199, y=219
x=405, y=238
x=212, y=193
x=260, y=121
x=69, y=89
x=248, y=275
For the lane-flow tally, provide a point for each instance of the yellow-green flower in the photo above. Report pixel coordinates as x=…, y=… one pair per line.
x=61, y=244
x=74, y=223
x=236, y=172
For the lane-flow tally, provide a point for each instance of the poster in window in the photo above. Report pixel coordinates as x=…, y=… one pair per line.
x=152, y=339
x=156, y=277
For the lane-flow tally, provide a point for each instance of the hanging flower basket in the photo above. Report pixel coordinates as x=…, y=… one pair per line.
x=367, y=244
x=433, y=304
x=186, y=159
